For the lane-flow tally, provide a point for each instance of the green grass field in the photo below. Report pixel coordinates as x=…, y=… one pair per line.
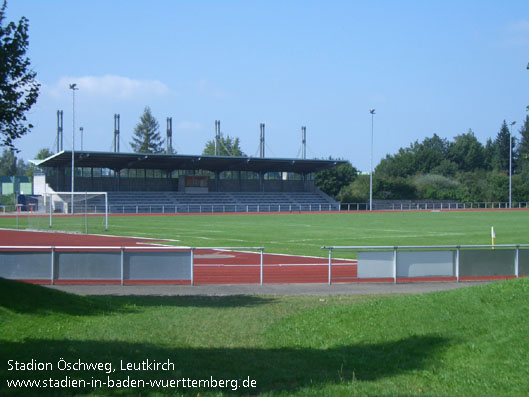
x=304, y=234
x=465, y=342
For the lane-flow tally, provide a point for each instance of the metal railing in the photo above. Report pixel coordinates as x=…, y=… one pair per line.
x=282, y=207
x=497, y=257
x=218, y=208
x=413, y=206
x=109, y=267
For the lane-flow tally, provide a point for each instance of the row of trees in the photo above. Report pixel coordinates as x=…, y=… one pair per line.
x=462, y=169
x=147, y=139
x=11, y=165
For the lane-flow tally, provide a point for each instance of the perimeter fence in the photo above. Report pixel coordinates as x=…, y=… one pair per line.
x=401, y=205
x=437, y=263
x=175, y=265
x=276, y=207
x=104, y=265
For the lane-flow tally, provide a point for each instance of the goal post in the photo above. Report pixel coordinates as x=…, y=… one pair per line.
x=81, y=205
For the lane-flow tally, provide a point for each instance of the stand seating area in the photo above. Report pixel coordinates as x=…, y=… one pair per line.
x=178, y=202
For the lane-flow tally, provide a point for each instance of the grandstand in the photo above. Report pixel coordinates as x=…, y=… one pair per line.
x=163, y=183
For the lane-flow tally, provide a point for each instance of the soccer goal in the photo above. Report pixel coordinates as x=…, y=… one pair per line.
x=77, y=211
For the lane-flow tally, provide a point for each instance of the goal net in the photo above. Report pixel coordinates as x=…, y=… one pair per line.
x=84, y=212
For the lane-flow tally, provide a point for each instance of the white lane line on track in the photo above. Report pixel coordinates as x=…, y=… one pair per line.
x=274, y=265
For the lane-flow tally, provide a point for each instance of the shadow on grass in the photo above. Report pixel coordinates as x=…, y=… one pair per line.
x=275, y=370
x=26, y=298
x=21, y=297
x=192, y=301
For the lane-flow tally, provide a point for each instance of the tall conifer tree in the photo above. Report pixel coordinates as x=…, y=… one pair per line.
x=523, y=146
x=500, y=157
x=146, y=138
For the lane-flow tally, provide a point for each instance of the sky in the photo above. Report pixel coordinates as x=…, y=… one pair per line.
x=425, y=66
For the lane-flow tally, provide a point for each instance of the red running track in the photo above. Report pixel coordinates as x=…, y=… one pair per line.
x=229, y=267
x=210, y=266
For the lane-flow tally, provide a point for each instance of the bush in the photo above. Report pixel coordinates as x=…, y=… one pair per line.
x=393, y=188
x=356, y=192
x=436, y=187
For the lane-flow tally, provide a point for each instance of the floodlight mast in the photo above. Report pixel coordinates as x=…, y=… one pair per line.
x=372, y=111
x=510, y=164
x=74, y=88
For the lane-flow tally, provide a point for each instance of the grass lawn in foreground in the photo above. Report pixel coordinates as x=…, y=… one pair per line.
x=304, y=234
x=465, y=342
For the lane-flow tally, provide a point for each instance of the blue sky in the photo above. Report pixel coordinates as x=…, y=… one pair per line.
x=425, y=66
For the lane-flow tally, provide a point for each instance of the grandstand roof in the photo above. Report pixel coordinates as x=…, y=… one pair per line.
x=118, y=161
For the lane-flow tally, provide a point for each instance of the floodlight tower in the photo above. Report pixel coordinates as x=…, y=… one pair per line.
x=74, y=88
x=372, y=111
x=169, y=139
x=116, y=133
x=303, y=142
x=262, y=140
x=510, y=165
x=59, y=131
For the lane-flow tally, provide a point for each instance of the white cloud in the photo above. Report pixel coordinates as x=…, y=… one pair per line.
x=110, y=87
x=205, y=88
x=521, y=26
x=189, y=125
x=516, y=34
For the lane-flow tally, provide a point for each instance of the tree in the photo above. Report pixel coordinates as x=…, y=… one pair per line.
x=43, y=153
x=488, y=154
x=227, y=147
x=430, y=153
x=420, y=157
x=146, y=138
x=501, y=147
x=393, y=189
x=467, y=152
x=331, y=181
x=19, y=88
x=10, y=165
x=436, y=187
x=355, y=192
x=401, y=164
x=523, y=146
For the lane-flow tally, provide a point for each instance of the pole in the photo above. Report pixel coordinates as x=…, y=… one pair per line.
x=52, y=266
x=372, y=111
x=304, y=142
x=81, y=129
x=192, y=259
x=510, y=165
x=394, y=265
x=261, y=268
x=122, y=265
x=330, y=266
x=85, y=213
x=59, y=131
x=457, y=263
x=106, y=211
x=73, y=87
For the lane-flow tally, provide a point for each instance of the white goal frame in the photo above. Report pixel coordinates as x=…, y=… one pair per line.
x=48, y=197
